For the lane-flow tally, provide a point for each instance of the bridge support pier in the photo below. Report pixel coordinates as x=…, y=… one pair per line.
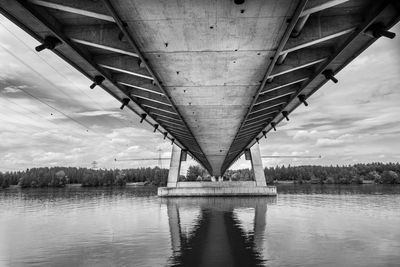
x=175, y=188
x=256, y=165
x=174, y=166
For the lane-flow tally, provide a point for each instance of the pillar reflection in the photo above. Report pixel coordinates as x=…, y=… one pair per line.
x=217, y=236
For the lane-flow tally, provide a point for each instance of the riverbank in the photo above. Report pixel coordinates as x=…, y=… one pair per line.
x=317, y=182
x=279, y=184
x=76, y=185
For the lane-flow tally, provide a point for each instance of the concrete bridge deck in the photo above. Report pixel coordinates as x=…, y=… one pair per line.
x=212, y=76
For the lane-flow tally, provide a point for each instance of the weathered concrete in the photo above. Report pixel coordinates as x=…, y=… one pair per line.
x=215, y=188
x=256, y=165
x=174, y=167
x=216, y=191
x=217, y=184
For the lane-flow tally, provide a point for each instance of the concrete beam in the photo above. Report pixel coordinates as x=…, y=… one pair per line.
x=314, y=6
x=248, y=128
x=159, y=108
x=239, y=140
x=322, y=29
x=259, y=120
x=161, y=114
x=175, y=129
x=270, y=104
x=276, y=94
x=158, y=98
x=262, y=113
x=182, y=136
x=286, y=80
x=247, y=133
x=277, y=87
x=130, y=86
x=122, y=63
x=141, y=99
x=156, y=105
x=172, y=124
x=136, y=82
x=82, y=8
x=283, y=69
x=317, y=6
x=103, y=36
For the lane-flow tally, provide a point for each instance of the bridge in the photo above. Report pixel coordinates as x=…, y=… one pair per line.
x=213, y=77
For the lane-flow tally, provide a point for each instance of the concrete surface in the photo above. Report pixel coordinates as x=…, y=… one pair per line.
x=175, y=166
x=216, y=191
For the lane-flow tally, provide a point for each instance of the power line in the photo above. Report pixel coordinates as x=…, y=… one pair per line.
x=267, y=156
x=62, y=75
x=37, y=98
x=29, y=110
x=299, y=157
x=142, y=159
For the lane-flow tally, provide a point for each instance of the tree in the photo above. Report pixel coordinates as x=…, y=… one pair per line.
x=374, y=176
x=390, y=177
x=4, y=182
x=193, y=172
x=120, y=179
x=59, y=179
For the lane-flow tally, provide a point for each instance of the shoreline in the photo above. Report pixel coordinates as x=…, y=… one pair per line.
x=142, y=185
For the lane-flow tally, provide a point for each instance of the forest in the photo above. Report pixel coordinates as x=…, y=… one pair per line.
x=60, y=176
x=379, y=173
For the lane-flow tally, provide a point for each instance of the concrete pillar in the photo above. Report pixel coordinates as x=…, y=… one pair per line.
x=256, y=165
x=174, y=167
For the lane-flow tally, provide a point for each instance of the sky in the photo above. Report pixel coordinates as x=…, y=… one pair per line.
x=50, y=117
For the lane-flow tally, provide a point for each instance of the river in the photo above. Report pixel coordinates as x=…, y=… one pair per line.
x=308, y=225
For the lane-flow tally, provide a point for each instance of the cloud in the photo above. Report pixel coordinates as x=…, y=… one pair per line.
x=304, y=134
x=97, y=113
x=13, y=89
x=329, y=142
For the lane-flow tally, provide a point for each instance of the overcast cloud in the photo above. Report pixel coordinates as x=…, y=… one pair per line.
x=50, y=117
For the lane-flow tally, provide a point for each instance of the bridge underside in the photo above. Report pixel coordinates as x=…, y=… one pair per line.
x=212, y=76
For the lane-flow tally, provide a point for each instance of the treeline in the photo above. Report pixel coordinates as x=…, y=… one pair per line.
x=60, y=176
x=379, y=173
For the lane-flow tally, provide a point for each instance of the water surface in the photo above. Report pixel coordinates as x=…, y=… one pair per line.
x=308, y=225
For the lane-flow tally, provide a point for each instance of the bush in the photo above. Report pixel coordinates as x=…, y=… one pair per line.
x=120, y=180
x=4, y=182
x=25, y=181
x=357, y=180
x=390, y=177
x=89, y=179
x=59, y=179
x=108, y=178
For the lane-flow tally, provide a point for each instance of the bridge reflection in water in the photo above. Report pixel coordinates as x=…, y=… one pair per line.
x=218, y=237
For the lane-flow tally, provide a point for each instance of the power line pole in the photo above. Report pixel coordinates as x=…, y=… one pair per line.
x=94, y=165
